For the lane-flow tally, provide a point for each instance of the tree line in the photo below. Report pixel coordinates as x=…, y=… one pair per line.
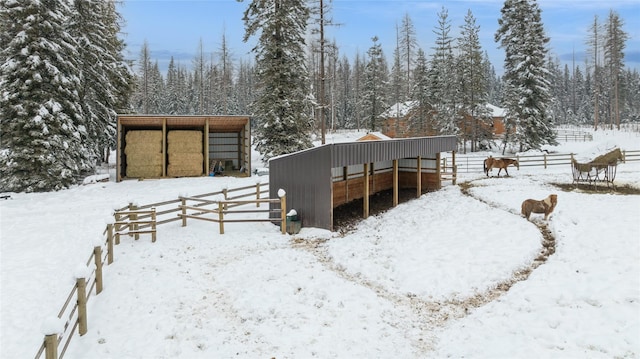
x=63, y=80
x=451, y=78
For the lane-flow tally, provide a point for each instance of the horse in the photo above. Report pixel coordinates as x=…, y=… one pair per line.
x=499, y=163
x=545, y=206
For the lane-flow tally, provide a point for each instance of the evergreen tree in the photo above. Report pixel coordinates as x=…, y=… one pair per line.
x=373, y=99
x=521, y=35
x=141, y=96
x=615, y=42
x=42, y=126
x=443, y=90
x=408, y=46
x=421, y=122
x=282, y=105
x=104, y=78
x=473, y=82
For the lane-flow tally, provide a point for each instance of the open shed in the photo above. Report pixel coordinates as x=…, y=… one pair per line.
x=322, y=178
x=157, y=146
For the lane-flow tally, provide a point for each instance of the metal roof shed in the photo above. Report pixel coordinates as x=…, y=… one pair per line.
x=311, y=178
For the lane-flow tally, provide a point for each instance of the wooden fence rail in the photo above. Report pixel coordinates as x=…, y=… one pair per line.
x=130, y=220
x=471, y=163
x=221, y=208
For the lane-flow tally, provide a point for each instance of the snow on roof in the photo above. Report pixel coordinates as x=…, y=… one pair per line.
x=374, y=136
x=400, y=109
x=496, y=111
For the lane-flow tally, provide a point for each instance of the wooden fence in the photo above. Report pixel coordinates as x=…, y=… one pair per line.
x=221, y=208
x=470, y=164
x=131, y=220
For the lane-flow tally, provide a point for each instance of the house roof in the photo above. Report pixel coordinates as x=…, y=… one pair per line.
x=374, y=136
x=496, y=111
x=400, y=109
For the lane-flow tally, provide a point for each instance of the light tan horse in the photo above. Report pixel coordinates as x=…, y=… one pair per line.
x=501, y=163
x=545, y=206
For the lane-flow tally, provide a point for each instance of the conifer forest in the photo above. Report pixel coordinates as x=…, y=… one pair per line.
x=64, y=80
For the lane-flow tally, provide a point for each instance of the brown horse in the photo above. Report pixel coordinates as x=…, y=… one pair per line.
x=500, y=163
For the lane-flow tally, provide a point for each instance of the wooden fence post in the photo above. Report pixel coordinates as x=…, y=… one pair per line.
x=97, y=256
x=283, y=211
x=544, y=156
x=257, y=193
x=221, y=217
x=51, y=346
x=153, y=224
x=133, y=217
x=224, y=193
x=184, y=212
x=81, y=289
x=110, y=243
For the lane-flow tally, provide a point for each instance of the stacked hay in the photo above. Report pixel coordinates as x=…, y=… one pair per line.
x=144, y=153
x=185, y=153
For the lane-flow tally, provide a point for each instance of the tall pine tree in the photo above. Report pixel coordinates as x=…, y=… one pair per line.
x=373, y=99
x=284, y=124
x=521, y=35
x=42, y=126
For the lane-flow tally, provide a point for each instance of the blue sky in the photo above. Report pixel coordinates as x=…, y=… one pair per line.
x=176, y=27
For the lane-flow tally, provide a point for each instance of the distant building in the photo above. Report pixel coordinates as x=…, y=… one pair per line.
x=408, y=119
x=374, y=136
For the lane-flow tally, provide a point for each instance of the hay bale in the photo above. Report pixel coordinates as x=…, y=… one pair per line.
x=149, y=171
x=143, y=150
x=184, y=142
x=143, y=142
x=186, y=158
x=184, y=149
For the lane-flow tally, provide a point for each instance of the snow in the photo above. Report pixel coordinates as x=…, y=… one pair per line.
x=424, y=279
x=399, y=109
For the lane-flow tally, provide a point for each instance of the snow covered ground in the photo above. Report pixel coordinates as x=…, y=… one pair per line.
x=424, y=279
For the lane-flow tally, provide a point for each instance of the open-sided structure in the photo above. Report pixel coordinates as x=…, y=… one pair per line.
x=156, y=146
x=320, y=179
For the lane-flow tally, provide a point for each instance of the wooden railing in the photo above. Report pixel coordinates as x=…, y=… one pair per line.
x=221, y=209
x=470, y=164
x=74, y=316
x=130, y=220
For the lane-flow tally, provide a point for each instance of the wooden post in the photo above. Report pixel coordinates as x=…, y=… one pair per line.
x=395, y=182
x=258, y=193
x=133, y=217
x=419, y=177
x=224, y=192
x=221, y=216
x=81, y=288
x=110, y=243
x=454, y=167
x=97, y=256
x=545, y=161
x=117, y=238
x=153, y=224
x=283, y=214
x=438, y=171
x=184, y=212
x=51, y=346
x=365, y=209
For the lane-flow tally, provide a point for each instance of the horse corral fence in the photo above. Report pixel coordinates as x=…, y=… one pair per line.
x=471, y=163
x=133, y=221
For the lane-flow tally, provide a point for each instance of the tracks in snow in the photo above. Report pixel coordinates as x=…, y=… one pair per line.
x=416, y=316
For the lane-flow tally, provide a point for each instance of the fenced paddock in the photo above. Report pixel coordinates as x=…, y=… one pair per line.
x=474, y=163
x=134, y=220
